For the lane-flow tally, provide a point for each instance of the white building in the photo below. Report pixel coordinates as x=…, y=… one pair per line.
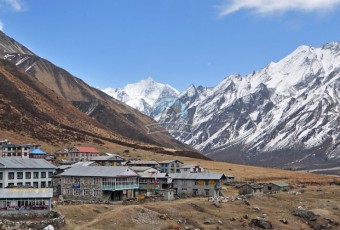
x=18, y=172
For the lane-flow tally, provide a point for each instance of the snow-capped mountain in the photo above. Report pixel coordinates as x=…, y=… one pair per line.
x=143, y=95
x=286, y=114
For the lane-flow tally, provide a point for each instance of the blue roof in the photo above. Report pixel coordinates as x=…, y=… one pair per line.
x=37, y=151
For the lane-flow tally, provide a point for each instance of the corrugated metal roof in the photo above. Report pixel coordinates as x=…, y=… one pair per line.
x=37, y=151
x=107, y=158
x=82, y=163
x=152, y=175
x=280, y=184
x=26, y=193
x=99, y=171
x=197, y=176
x=141, y=168
x=17, y=162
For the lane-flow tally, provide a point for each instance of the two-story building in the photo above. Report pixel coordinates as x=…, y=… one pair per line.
x=197, y=184
x=18, y=172
x=170, y=166
x=13, y=150
x=80, y=153
x=98, y=183
x=109, y=160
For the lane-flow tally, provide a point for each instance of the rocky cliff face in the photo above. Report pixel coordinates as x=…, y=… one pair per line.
x=286, y=114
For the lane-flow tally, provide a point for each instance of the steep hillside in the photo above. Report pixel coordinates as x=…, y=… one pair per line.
x=112, y=114
x=31, y=111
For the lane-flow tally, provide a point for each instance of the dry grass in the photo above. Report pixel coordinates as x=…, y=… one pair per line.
x=181, y=213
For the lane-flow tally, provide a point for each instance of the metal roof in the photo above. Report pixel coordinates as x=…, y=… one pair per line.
x=37, y=151
x=152, y=175
x=141, y=168
x=12, y=193
x=100, y=171
x=108, y=158
x=280, y=184
x=142, y=162
x=82, y=149
x=197, y=176
x=24, y=163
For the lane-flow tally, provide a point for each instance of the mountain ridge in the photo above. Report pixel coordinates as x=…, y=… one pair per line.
x=109, y=112
x=283, y=115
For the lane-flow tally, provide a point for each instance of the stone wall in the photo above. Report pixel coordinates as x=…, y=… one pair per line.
x=31, y=220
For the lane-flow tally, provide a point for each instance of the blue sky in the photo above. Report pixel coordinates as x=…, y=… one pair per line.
x=110, y=43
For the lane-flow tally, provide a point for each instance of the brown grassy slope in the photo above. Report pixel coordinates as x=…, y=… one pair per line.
x=31, y=112
x=116, y=116
x=192, y=212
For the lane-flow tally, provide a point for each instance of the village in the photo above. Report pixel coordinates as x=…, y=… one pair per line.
x=32, y=181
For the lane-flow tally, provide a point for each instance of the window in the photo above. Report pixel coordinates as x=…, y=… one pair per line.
x=49, y=184
x=35, y=184
x=28, y=175
x=86, y=192
x=28, y=183
x=50, y=174
x=207, y=191
x=20, y=175
x=35, y=175
x=77, y=192
x=11, y=175
x=43, y=184
x=19, y=184
x=0, y=175
x=43, y=174
x=10, y=184
x=206, y=182
x=196, y=182
x=0, y=185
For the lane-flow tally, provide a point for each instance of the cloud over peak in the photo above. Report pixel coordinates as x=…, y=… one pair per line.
x=264, y=7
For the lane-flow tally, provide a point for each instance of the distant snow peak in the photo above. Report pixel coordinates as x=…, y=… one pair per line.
x=143, y=94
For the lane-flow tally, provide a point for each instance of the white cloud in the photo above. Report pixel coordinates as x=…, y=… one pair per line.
x=1, y=26
x=273, y=6
x=15, y=5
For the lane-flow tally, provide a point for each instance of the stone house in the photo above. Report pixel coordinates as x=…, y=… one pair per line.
x=276, y=187
x=26, y=199
x=98, y=183
x=197, y=184
x=170, y=166
x=18, y=172
x=250, y=189
x=111, y=160
x=80, y=153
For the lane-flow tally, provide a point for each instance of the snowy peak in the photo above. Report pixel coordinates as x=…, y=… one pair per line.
x=143, y=95
x=285, y=114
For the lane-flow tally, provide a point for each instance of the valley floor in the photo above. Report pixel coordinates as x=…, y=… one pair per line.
x=192, y=213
